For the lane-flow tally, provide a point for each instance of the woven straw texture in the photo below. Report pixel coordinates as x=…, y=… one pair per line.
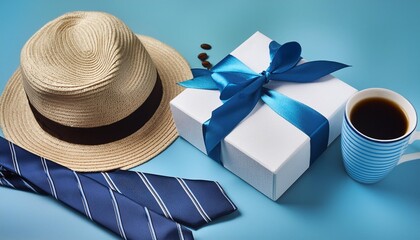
x=87, y=69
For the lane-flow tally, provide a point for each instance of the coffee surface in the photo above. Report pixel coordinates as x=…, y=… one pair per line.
x=379, y=118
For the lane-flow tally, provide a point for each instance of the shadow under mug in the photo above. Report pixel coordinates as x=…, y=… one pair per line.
x=369, y=160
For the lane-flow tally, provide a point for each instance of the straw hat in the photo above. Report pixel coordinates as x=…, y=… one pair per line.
x=91, y=95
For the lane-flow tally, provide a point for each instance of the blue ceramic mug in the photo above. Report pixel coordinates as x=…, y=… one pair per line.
x=368, y=159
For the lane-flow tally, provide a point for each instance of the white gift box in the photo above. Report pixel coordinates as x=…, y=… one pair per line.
x=264, y=149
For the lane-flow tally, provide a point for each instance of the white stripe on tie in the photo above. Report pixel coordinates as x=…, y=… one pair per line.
x=181, y=235
x=224, y=194
x=29, y=186
x=111, y=183
x=82, y=193
x=6, y=181
x=14, y=159
x=16, y=166
x=117, y=214
x=154, y=193
x=152, y=230
x=194, y=200
x=49, y=179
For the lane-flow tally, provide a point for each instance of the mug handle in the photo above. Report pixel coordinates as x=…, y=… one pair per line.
x=411, y=156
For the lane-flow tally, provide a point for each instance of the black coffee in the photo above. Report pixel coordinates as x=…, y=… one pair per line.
x=379, y=118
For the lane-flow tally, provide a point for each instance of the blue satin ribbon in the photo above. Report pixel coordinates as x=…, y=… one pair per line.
x=241, y=88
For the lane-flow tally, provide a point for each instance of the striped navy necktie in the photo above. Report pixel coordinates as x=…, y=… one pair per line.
x=134, y=205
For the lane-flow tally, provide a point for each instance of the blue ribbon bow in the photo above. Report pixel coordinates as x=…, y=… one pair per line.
x=241, y=88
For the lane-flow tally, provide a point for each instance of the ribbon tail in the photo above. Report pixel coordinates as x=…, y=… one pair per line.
x=230, y=83
x=308, y=72
x=232, y=64
x=225, y=118
x=200, y=82
x=197, y=72
x=306, y=119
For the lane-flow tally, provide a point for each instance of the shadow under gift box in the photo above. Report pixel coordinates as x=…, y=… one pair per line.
x=264, y=149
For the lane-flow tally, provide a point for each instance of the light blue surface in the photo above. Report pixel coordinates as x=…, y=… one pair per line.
x=380, y=39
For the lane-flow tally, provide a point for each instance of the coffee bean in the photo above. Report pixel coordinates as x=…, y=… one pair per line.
x=203, y=56
x=206, y=64
x=205, y=46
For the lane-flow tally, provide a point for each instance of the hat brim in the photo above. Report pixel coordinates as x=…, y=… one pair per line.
x=19, y=125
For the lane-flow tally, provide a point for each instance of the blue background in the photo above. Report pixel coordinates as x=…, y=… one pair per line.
x=380, y=39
